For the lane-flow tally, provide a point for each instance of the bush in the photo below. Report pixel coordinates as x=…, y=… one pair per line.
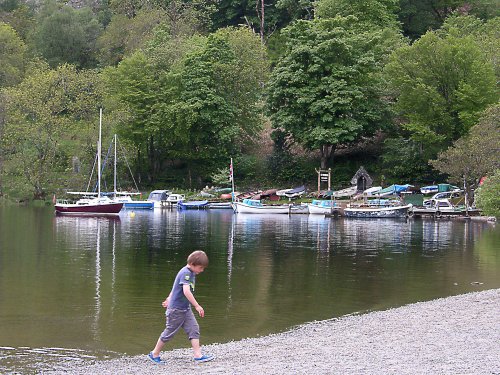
x=488, y=195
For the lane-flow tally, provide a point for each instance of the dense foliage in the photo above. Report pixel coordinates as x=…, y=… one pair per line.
x=323, y=90
x=281, y=86
x=443, y=83
x=488, y=195
x=476, y=155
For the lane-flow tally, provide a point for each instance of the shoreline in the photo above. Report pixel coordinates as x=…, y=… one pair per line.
x=452, y=335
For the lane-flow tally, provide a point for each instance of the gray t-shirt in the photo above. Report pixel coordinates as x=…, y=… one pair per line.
x=178, y=300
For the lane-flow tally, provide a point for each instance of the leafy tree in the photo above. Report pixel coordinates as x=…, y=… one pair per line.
x=66, y=35
x=194, y=100
x=11, y=57
x=123, y=36
x=378, y=13
x=128, y=8
x=324, y=90
x=126, y=34
x=443, y=84
x=276, y=15
x=488, y=195
x=484, y=33
x=47, y=123
x=297, y=10
x=19, y=16
x=418, y=17
x=402, y=161
x=475, y=155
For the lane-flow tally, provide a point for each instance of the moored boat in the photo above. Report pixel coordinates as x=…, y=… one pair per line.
x=175, y=198
x=96, y=204
x=196, y=205
x=299, y=209
x=159, y=196
x=252, y=206
x=89, y=206
x=296, y=192
x=220, y=205
x=322, y=207
x=129, y=203
x=377, y=211
x=431, y=189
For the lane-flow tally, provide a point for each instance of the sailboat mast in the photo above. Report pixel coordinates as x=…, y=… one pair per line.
x=232, y=180
x=114, y=180
x=99, y=156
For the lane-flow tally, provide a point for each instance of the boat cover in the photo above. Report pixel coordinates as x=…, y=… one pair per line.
x=446, y=187
x=393, y=189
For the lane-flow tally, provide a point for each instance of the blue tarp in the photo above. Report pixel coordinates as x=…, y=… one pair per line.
x=393, y=189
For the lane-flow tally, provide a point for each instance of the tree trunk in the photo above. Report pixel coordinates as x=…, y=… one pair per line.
x=326, y=154
x=261, y=16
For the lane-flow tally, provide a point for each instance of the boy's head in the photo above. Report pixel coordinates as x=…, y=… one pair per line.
x=198, y=261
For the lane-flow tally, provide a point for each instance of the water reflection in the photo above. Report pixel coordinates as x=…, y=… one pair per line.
x=95, y=284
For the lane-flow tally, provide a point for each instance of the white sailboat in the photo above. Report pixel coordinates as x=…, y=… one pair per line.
x=97, y=204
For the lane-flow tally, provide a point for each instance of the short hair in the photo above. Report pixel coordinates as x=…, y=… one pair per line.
x=198, y=258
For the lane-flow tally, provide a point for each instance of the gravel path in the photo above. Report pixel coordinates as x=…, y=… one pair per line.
x=454, y=335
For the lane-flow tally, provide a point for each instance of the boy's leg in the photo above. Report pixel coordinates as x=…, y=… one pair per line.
x=159, y=346
x=175, y=320
x=193, y=331
x=195, y=343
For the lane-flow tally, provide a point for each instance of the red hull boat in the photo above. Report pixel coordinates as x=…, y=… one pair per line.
x=100, y=206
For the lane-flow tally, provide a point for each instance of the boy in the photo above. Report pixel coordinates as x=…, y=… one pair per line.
x=179, y=313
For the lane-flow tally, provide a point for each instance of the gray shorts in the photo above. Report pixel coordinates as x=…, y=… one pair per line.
x=177, y=319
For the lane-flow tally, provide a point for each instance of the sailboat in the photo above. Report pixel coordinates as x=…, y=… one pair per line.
x=125, y=197
x=92, y=205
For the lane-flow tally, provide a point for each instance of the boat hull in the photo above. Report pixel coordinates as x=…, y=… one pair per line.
x=220, y=205
x=377, y=212
x=98, y=209
x=318, y=210
x=247, y=209
x=138, y=205
x=192, y=205
x=299, y=209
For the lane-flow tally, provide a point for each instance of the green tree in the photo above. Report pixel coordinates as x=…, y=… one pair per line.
x=324, y=90
x=485, y=33
x=488, y=195
x=371, y=13
x=418, y=17
x=402, y=161
x=123, y=36
x=65, y=35
x=195, y=100
x=126, y=34
x=48, y=122
x=11, y=57
x=474, y=155
x=275, y=16
x=442, y=85
x=19, y=17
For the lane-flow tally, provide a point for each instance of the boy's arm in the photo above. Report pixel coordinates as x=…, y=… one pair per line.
x=167, y=300
x=187, y=292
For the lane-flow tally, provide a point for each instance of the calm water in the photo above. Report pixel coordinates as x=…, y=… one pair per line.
x=83, y=287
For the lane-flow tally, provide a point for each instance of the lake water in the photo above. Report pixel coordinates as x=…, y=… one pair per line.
x=87, y=287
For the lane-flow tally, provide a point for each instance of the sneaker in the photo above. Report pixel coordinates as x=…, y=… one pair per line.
x=156, y=360
x=204, y=358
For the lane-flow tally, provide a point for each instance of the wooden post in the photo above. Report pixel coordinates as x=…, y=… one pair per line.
x=322, y=173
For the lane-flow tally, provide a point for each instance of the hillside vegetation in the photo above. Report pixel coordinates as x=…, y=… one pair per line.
x=408, y=89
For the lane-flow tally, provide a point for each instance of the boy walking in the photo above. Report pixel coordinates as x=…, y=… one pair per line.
x=179, y=313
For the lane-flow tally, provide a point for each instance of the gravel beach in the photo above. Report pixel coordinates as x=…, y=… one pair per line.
x=454, y=335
